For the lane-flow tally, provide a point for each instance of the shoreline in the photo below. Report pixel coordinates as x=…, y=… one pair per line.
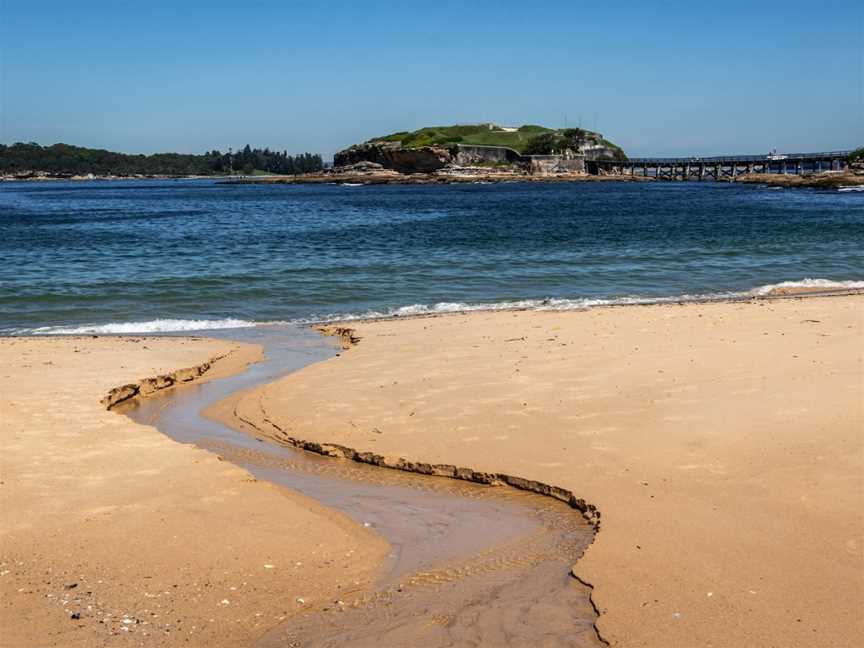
x=779, y=291
x=337, y=322
x=95, y=178
x=308, y=386
x=395, y=178
x=825, y=180
x=835, y=180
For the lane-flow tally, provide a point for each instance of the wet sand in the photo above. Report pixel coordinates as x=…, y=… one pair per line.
x=470, y=563
x=721, y=442
x=113, y=534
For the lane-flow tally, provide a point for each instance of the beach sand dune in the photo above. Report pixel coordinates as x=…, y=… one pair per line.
x=721, y=442
x=113, y=535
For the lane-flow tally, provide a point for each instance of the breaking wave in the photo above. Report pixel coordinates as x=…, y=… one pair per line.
x=784, y=288
x=803, y=286
x=151, y=326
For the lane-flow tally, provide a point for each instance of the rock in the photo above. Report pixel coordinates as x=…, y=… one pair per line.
x=392, y=155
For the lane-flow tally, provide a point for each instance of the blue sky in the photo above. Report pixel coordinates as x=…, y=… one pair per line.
x=661, y=78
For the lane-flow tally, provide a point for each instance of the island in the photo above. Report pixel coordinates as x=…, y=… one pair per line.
x=461, y=153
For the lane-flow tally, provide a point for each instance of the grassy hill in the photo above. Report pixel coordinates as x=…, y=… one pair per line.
x=491, y=135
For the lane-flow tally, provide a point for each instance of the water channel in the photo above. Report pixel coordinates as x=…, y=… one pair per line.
x=470, y=565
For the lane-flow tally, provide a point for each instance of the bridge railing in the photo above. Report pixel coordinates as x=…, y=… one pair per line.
x=785, y=157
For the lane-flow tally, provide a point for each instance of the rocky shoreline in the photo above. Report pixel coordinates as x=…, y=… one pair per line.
x=44, y=176
x=826, y=180
x=370, y=173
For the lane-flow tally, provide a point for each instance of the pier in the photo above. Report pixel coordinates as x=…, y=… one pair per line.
x=719, y=168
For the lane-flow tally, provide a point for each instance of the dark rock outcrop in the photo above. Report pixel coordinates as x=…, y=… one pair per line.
x=392, y=155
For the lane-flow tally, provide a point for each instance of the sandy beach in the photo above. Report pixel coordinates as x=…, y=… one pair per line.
x=721, y=442
x=113, y=534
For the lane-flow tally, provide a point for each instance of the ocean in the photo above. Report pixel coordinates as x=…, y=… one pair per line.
x=156, y=256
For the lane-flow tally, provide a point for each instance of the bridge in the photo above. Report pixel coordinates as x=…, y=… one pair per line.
x=726, y=167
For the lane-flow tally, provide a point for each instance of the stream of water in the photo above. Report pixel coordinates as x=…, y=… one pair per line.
x=469, y=564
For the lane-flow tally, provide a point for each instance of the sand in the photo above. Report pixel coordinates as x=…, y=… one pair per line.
x=721, y=442
x=148, y=541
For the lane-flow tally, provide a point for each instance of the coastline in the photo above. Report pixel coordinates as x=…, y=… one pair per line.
x=827, y=180
x=693, y=502
x=395, y=178
x=94, y=178
x=115, y=533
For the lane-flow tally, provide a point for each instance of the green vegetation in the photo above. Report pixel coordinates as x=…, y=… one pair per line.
x=67, y=160
x=857, y=155
x=480, y=134
x=556, y=141
x=529, y=139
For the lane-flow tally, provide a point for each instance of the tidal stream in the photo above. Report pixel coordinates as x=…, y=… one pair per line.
x=470, y=565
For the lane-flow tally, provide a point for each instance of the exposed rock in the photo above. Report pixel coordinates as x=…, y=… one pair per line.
x=599, y=152
x=361, y=167
x=468, y=155
x=824, y=180
x=392, y=155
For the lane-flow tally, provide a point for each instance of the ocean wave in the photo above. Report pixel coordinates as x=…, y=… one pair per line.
x=151, y=326
x=783, y=288
x=804, y=286
x=441, y=308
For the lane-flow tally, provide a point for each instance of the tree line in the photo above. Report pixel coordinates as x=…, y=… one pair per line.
x=68, y=160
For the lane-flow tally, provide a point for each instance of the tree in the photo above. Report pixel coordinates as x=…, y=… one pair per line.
x=544, y=144
x=66, y=160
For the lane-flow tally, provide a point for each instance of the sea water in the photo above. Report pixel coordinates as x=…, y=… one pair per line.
x=149, y=256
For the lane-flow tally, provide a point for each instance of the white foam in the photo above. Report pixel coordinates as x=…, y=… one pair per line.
x=151, y=326
x=414, y=310
x=806, y=285
x=852, y=188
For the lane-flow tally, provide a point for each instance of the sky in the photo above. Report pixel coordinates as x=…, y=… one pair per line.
x=657, y=78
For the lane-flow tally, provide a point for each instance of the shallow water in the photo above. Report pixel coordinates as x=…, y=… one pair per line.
x=166, y=255
x=469, y=565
